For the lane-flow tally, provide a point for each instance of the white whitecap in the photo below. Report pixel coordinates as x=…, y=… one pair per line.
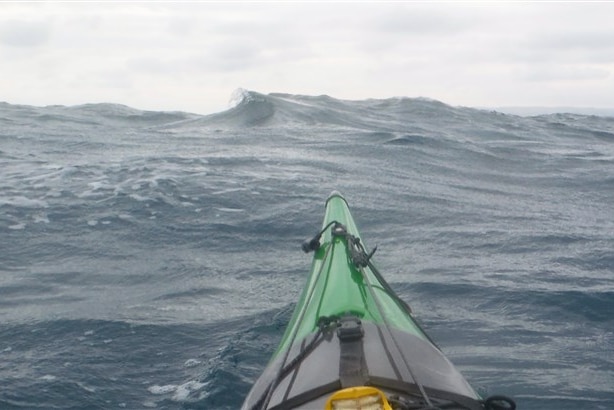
x=183, y=391
x=230, y=210
x=48, y=377
x=237, y=97
x=155, y=389
x=139, y=198
x=192, y=363
x=40, y=218
x=87, y=388
x=23, y=202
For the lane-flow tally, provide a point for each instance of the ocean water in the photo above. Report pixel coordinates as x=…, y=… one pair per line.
x=152, y=259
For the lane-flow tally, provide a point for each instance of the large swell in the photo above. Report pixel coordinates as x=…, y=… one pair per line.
x=152, y=259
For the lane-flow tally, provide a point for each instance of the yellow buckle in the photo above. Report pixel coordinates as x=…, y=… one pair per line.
x=358, y=398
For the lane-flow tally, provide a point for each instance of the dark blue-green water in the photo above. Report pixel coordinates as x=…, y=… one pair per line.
x=152, y=259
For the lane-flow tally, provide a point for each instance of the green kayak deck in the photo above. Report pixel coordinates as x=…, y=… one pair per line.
x=335, y=286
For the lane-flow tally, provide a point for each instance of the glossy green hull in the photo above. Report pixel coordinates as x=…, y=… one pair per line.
x=335, y=286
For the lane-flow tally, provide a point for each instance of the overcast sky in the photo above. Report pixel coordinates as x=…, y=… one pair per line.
x=192, y=56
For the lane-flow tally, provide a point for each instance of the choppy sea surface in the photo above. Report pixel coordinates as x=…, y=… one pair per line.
x=152, y=259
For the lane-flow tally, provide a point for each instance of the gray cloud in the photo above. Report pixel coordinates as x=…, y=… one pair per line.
x=24, y=33
x=467, y=53
x=424, y=20
x=556, y=73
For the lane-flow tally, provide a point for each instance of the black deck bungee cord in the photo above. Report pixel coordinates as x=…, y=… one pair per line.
x=263, y=402
x=499, y=402
x=313, y=244
x=361, y=259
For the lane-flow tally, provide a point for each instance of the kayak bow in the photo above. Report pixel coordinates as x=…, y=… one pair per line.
x=352, y=343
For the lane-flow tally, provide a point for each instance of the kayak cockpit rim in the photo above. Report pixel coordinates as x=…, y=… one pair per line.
x=392, y=388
